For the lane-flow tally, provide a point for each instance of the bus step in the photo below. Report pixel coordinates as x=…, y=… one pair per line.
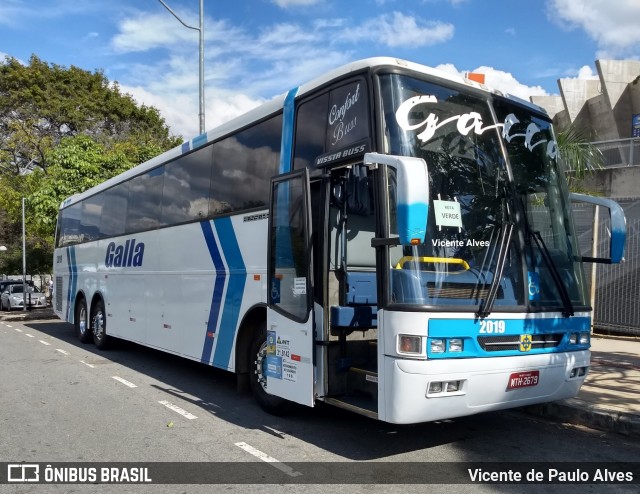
x=363, y=382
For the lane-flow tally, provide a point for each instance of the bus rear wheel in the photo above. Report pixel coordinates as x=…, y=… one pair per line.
x=258, y=377
x=99, y=326
x=81, y=321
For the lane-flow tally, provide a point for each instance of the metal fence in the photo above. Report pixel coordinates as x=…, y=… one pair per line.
x=621, y=152
x=617, y=287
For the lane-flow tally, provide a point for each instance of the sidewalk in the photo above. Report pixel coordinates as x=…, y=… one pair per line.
x=609, y=400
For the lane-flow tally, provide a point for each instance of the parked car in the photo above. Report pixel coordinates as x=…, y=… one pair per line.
x=12, y=297
x=5, y=283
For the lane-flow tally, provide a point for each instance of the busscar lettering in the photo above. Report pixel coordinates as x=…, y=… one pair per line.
x=468, y=122
x=130, y=254
x=361, y=148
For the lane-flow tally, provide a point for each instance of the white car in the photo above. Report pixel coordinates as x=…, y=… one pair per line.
x=12, y=297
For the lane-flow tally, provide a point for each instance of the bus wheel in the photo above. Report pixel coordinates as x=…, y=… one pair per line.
x=81, y=322
x=258, y=378
x=99, y=326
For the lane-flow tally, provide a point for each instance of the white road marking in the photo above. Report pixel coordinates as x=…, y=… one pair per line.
x=62, y=351
x=177, y=409
x=124, y=381
x=44, y=342
x=268, y=459
x=8, y=325
x=88, y=365
x=29, y=335
x=18, y=330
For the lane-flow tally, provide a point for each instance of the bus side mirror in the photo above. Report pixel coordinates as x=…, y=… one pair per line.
x=618, y=227
x=412, y=196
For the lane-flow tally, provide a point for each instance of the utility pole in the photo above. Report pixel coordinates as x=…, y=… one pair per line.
x=201, y=74
x=24, y=262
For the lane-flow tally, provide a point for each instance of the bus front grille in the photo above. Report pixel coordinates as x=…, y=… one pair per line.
x=513, y=342
x=470, y=291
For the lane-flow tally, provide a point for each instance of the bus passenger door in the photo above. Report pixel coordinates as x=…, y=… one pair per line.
x=290, y=324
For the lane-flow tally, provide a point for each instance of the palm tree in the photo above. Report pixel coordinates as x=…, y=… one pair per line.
x=578, y=155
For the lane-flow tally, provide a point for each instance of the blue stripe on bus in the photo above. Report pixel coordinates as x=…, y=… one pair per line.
x=469, y=330
x=198, y=141
x=185, y=147
x=235, y=292
x=288, y=124
x=216, y=299
x=73, y=283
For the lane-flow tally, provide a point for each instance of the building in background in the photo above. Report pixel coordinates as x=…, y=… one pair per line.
x=608, y=106
x=608, y=109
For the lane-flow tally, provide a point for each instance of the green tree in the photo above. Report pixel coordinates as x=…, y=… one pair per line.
x=76, y=164
x=41, y=103
x=62, y=130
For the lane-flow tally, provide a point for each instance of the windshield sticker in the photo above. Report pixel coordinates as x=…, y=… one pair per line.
x=447, y=213
x=467, y=122
x=300, y=286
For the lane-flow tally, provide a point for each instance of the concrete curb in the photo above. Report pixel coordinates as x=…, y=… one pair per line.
x=30, y=315
x=576, y=411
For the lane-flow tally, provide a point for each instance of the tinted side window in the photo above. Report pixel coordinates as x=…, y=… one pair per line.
x=311, y=131
x=70, y=225
x=185, y=195
x=333, y=126
x=90, y=220
x=348, y=115
x=145, y=201
x=114, y=211
x=243, y=164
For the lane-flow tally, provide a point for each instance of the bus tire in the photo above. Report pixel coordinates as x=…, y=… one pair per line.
x=81, y=322
x=99, y=326
x=257, y=378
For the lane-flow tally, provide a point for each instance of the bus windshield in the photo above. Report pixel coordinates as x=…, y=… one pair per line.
x=491, y=240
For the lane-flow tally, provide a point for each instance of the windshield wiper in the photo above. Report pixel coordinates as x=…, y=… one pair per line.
x=564, y=293
x=487, y=303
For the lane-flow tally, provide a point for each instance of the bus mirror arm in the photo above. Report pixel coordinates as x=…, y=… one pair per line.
x=618, y=227
x=412, y=195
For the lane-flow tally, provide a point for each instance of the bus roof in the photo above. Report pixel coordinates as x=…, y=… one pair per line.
x=276, y=104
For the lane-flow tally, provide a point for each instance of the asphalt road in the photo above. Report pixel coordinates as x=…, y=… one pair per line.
x=62, y=401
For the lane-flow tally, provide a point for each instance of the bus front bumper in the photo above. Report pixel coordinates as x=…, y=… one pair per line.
x=413, y=391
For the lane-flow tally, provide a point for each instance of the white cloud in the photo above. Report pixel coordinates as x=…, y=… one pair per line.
x=181, y=109
x=614, y=25
x=500, y=80
x=263, y=63
x=586, y=72
x=398, y=29
x=150, y=31
x=144, y=31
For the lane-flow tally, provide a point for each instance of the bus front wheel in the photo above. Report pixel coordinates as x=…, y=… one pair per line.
x=258, y=377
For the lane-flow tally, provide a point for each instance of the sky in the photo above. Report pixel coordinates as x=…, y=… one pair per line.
x=257, y=49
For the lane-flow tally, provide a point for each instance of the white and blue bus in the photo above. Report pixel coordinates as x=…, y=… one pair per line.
x=387, y=238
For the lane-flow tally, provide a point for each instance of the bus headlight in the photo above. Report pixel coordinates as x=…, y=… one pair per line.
x=584, y=338
x=573, y=338
x=455, y=345
x=409, y=344
x=437, y=346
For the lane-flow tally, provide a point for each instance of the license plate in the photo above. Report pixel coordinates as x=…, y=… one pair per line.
x=523, y=379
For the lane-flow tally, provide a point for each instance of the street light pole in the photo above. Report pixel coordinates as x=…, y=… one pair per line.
x=201, y=58
x=24, y=263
